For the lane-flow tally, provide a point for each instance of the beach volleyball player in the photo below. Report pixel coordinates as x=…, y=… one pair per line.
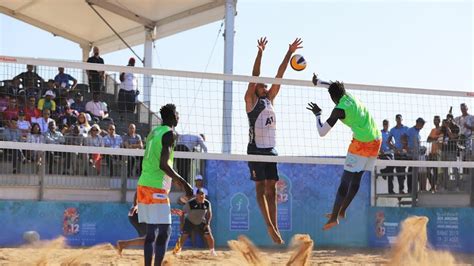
x=154, y=185
x=363, y=149
x=262, y=122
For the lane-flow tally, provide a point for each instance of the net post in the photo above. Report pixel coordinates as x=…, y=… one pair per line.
x=148, y=62
x=414, y=186
x=41, y=175
x=123, y=180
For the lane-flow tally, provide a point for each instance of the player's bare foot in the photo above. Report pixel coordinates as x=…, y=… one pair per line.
x=275, y=235
x=342, y=215
x=119, y=247
x=330, y=224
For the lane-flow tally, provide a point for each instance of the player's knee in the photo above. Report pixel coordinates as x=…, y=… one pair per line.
x=270, y=191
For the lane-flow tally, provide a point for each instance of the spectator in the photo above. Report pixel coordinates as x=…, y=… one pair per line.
x=72, y=137
x=52, y=136
x=70, y=98
x=35, y=137
x=47, y=102
x=187, y=143
x=44, y=120
x=199, y=184
x=466, y=124
x=197, y=215
x=386, y=153
x=96, y=78
x=78, y=104
x=436, y=139
x=13, y=89
x=68, y=119
x=4, y=101
x=30, y=80
x=128, y=90
x=12, y=110
x=132, y=140
x=31, y=112
x=449, y=149
x=63, y=80
x=112, y=140
x=414, y=147
x=12, y=133
x=95, y=140
x=23, y=125
x=395, y=143
x=83, y=125
x=97, y=108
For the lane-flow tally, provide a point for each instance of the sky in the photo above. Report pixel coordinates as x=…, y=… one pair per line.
x=425, y=44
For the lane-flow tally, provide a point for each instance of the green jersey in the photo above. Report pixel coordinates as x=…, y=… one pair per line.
x=152, y=175
x=358, y=119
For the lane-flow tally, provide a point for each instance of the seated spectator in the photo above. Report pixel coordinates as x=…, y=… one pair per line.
x=63, y=80
x=83, y=125
x=97, y=108
x=31, y=112
x=53, y=136
x=4, y=101
x=70, y=98
x=112, y=140
x=23, y=125
x=44, y=121
x=78, y=104
x=30, y=81
x=72, y=137
x=12, y=110
x=68, y=119
x=132, y=140
x=128, y=90
x=12, y=133
x=95, y=140
x=47, y=102
x=35, y=136
x=188, y=142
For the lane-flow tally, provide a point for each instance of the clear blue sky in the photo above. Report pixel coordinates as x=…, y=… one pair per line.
x=401, y=43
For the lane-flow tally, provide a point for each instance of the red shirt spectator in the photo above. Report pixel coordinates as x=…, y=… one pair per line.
x=12, y=110
x=31, y=112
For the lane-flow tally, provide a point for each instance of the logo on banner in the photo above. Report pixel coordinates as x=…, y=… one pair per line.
x=284, y=199
x=379, y=224
x=239, y=212
x=70, y=222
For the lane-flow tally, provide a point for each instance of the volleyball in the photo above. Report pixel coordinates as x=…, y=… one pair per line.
x=297, y=62
x=31, y=237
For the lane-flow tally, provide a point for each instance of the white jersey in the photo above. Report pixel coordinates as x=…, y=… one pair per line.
x=262, y=123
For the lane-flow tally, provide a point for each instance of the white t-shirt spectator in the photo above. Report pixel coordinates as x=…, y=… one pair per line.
x=42, y=123
x=96, y=108
x=203, y=189
x=129, y=82
x=191, y=141
x=24, y=125
x=461, y=121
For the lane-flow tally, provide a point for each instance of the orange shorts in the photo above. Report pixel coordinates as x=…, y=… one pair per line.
x=365, y=149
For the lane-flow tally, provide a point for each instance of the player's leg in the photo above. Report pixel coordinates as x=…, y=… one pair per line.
x=123, y=244
x=161, y=242
x=271, y=173
x=340, y=196
x=353, y=189
x=206, y=231
x=186, y=231
x=149, y=240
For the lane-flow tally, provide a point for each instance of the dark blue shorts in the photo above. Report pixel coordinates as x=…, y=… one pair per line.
x=260, y=171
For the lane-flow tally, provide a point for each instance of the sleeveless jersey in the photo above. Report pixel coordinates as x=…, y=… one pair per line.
x=358, y=119
x=262, y=127
x=152, y=175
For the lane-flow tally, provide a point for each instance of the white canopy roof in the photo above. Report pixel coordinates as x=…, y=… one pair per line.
x=76, y=21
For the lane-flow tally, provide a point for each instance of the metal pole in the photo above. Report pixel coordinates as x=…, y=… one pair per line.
x=85, y=55
x=228, y=69
x=123, y=178
x=42, y=173
x=148, y=62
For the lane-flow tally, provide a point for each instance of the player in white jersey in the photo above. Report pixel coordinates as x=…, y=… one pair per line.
x=262, y=127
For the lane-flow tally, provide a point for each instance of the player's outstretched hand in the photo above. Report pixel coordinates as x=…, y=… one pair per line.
x=315, y=79
x=262, y=43
x=296, y=45
x=313, y=107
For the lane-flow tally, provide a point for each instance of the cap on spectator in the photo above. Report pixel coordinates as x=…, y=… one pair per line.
x=398, y=116
x=200, y=191
x=50, y=93
x=198, y=177
x=21, y=113
x=420, y=120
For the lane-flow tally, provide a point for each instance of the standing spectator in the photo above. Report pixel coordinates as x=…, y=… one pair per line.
x=44, y=120
x=132, y=140
x=79, y=105
x=128, y=90
x=47, y=101
x=112, y=140
x=466, y=125
x=12, y=133
x=63, y=80
x=83, y=125
x=31, y=112
x=188, y=143
x=96, y=78
x=395, y=137
x=386, y=153
x=414, y=147
x=199, y=184
x=13, y=89
x=449, y=149
x=30, y=80
x=52, y=136
x=95, y=140
x=35, y=137
x=436, y=139
x=12, y=110
x=97, y=108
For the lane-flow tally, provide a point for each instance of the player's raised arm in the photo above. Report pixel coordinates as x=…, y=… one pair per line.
x=323, y=129
x=320, y=83
x=275, y=88
x=250, y=95
x=167, y=142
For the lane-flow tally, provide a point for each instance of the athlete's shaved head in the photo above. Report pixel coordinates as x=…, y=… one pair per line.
x=336, y=90
x=169, y=115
